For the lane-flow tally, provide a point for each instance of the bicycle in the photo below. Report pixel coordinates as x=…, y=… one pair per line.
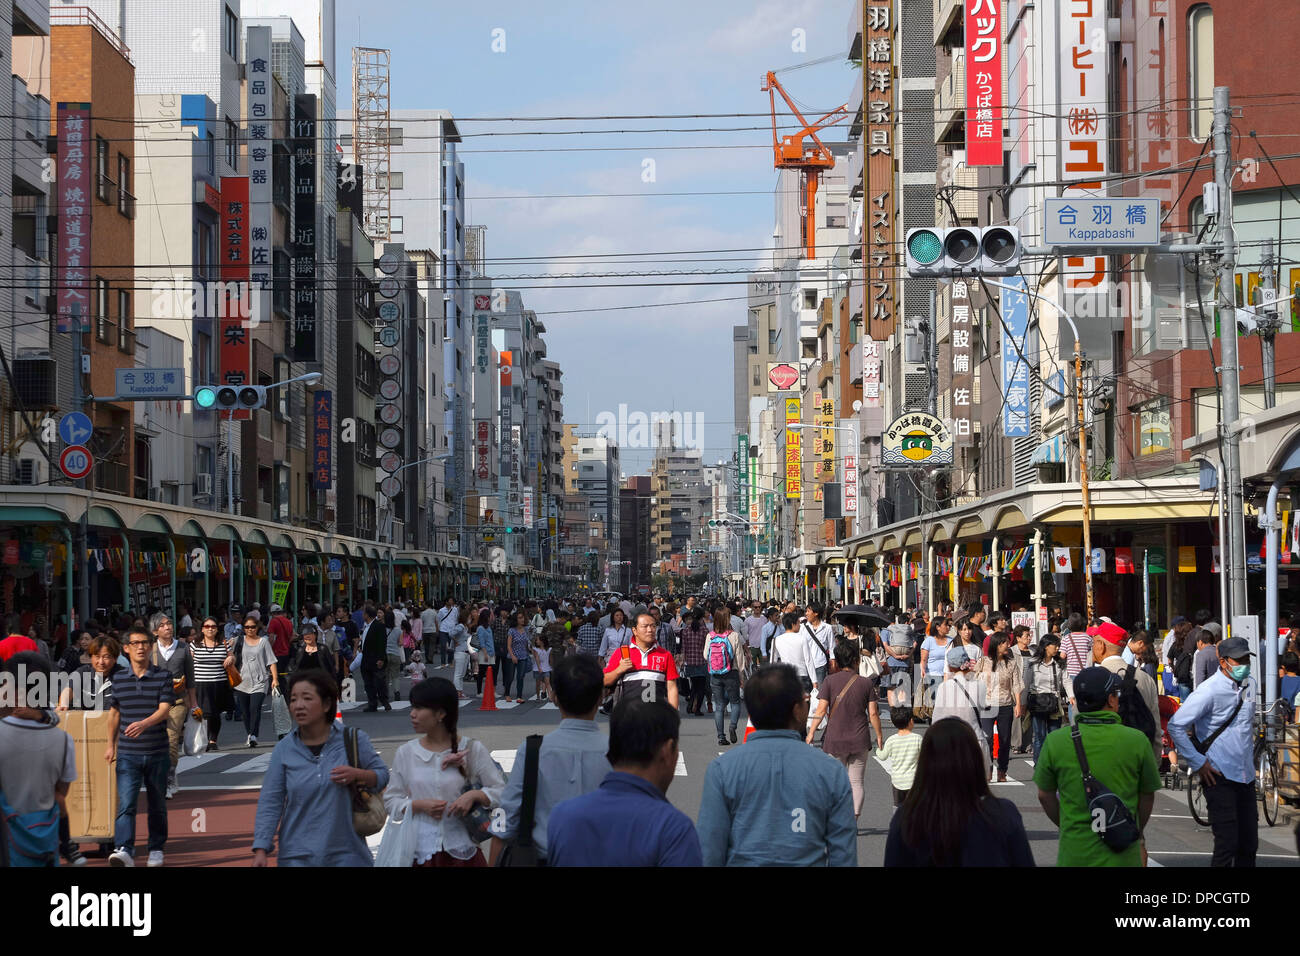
x=1265, y=759
x=1196, y=799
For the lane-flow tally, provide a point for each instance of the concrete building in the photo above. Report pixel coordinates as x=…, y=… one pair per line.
x=636, y=558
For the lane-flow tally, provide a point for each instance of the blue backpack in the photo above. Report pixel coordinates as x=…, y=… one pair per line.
x=719, y=655
x=29, y=839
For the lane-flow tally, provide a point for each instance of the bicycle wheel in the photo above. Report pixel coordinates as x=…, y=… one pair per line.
x=1196, y=800
x=1266, y=786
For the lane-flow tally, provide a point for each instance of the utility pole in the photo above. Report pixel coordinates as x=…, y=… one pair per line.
x=1231, y=382
x=1267, y=314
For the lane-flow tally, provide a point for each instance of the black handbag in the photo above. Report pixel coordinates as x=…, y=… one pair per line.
x=1111, y=818
x=1045, y=705
x=521, y=850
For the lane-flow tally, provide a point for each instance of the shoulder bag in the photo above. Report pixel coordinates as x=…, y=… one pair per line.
x=1046, y=704
x=1111, y=819
x=521, y=851
x=478, y=821
x=820, y=646
x=1203, y=748
x=368, y=812
x=232, y=669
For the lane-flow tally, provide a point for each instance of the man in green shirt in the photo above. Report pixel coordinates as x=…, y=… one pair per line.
x=1119, y=757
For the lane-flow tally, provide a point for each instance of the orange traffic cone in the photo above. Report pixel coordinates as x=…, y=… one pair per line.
x=995, y=741
x=489, y=692
x=749, y=729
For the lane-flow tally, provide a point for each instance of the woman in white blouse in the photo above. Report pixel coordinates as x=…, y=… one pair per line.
x=433, y=771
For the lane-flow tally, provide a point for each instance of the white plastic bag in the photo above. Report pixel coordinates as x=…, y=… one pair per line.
x=397, y=848
x=280, y=712
x=195, y=736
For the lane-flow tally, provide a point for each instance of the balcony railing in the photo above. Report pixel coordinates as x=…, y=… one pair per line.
x=84, y=16
x=112, y=476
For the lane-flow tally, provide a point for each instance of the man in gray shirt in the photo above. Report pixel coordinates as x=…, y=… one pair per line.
x=175, y=658
x=572, y=759
x=1206, y=662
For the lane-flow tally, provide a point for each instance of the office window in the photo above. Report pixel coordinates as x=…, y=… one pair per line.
x=232, y=145
x=102, y=181
x=396, y=224
x=1200, y=64
x=125, y=201
x=230, y=35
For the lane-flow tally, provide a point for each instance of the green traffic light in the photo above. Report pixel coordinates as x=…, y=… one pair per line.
x=925, y=247
x=205, y=397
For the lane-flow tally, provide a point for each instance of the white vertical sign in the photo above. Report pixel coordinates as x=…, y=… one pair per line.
x=260, y=137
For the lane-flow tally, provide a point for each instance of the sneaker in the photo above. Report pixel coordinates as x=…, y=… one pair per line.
x=121, y=857
x=74, y=857
x=212, y=746
x=252, y=741
x=723, y=741
x=733, y=735
x=155, y=858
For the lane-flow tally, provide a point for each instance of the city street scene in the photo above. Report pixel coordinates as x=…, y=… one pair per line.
x=838, y=433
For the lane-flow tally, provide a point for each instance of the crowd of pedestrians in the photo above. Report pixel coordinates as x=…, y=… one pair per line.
x=963, y=691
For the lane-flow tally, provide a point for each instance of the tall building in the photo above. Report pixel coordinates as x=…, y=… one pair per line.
x=635, y=546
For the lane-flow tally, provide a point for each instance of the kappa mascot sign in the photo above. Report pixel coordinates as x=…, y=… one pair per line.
x=916, y=439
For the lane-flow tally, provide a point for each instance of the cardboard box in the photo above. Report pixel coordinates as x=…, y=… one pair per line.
x=92, y=798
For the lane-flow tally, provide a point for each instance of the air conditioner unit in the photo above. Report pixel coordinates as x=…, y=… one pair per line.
x=25, y=473
x=203, y=483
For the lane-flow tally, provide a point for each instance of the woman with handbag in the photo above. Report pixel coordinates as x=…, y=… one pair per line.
x=254, y=662
x=212, y=687
x=450, y=781
x=1004, y=678
x=312, y=810
x=1046, y=689
x=847, y=700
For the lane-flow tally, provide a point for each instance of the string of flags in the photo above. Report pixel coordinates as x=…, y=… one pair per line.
x=1067, y=560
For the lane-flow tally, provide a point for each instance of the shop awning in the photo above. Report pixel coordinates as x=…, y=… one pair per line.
x=1050, y=452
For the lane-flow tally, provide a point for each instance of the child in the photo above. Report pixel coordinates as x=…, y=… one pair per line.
x=542, y=659
x=415, y=670
x=901, y=751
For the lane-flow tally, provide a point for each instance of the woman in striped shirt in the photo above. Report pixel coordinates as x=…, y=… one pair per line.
x=211, y=686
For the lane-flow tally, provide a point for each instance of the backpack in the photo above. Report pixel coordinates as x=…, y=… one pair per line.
x=1183, y=669
x=719, y=655
x=1132, y=709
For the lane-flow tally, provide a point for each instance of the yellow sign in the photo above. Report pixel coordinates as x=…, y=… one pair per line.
x=793, y=452
x=827, y=469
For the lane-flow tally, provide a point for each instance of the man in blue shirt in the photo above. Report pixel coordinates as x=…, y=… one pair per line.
x=777, y=801
x=629, y=821
x=1225, y=700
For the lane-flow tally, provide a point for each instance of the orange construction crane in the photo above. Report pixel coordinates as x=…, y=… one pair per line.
x=790, y=152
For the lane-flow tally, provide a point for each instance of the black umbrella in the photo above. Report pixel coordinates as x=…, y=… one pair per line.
x=862, y=616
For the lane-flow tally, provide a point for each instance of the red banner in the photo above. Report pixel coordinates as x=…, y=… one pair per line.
x=236, y=338
x=983, y=83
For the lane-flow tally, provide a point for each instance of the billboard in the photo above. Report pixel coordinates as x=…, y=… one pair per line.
x=983, y=83
x=73, y=197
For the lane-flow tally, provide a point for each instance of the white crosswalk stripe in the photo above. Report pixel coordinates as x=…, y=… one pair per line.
x=680, y=770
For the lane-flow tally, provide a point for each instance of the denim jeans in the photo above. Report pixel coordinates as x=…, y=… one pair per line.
x=1043, y=725
x=514, y=673
x=726, y=688
x=252, y=704
x=132, y=770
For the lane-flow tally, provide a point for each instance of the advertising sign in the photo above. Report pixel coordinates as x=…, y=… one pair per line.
x=793, y=452
x=1015, y=371
x=236, y=352
x=482, y=446
x=850, y=486
x=916, y=438
x=983, y=83
x=72, y=305
x=963, y=379
x=782, y=377
x=322, y=413
x=305, y=343
x=260, y=135
x=881, y=120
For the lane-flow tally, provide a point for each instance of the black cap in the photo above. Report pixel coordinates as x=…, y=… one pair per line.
x=1093, y=686
x=1235, y=649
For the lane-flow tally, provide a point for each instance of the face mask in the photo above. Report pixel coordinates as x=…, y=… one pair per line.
x=1239, y=672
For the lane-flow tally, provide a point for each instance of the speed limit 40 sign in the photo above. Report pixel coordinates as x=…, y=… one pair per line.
x=76, y=461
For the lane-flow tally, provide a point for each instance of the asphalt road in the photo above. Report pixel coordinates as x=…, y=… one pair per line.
x=211, y=820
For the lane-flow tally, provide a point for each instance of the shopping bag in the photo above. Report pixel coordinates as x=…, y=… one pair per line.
x=397, y=846
x=195, y=736
x=280, y=711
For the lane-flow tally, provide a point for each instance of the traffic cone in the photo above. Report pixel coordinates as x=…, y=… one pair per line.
x=995, y=741
x=749, y=729
x=489, y=692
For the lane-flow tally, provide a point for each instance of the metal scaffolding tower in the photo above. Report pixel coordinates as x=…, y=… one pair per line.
x=370, y=138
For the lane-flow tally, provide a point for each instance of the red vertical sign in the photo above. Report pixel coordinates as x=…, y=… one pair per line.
x=232, y=320
x=983, y=83
x=72, y=196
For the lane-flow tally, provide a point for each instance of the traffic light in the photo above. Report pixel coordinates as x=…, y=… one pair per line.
x=994, y=250
x=719, y=523
x=229, y=398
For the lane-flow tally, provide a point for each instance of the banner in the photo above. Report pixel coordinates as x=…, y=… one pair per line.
x=983, y=83
x=322, y=413
x=72, y=201
x=236, y=352
x=305, y=344
x=963, y=332
x=1015, y=371
x=1062, y=563
x=881, y=119
x=793, y=452
x=827, y=472
x=260, y=134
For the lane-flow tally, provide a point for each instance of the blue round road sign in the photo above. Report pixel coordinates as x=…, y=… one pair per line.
x=75, y=428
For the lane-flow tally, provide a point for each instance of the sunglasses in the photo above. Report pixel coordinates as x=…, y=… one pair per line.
x=250, y=627
x=209, y=627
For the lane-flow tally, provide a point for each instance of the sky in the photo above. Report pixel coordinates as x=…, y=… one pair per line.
x=600, y=59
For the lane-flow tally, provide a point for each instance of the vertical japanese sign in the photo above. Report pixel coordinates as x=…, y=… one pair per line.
x=305, y=344
x=483, y=446
x=983, y=83
x=1082, y=129
x=793, y=452
x=827, y=466
x=482, y=341
x=260, y=137
x=963, y=379
x=850, y=497
x=73, y=202
x=878, y=140
x=322, y=413
x=742, y=471
x=870, y=372
x=236, y=342
x=1015, y=371
x=528, y=506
